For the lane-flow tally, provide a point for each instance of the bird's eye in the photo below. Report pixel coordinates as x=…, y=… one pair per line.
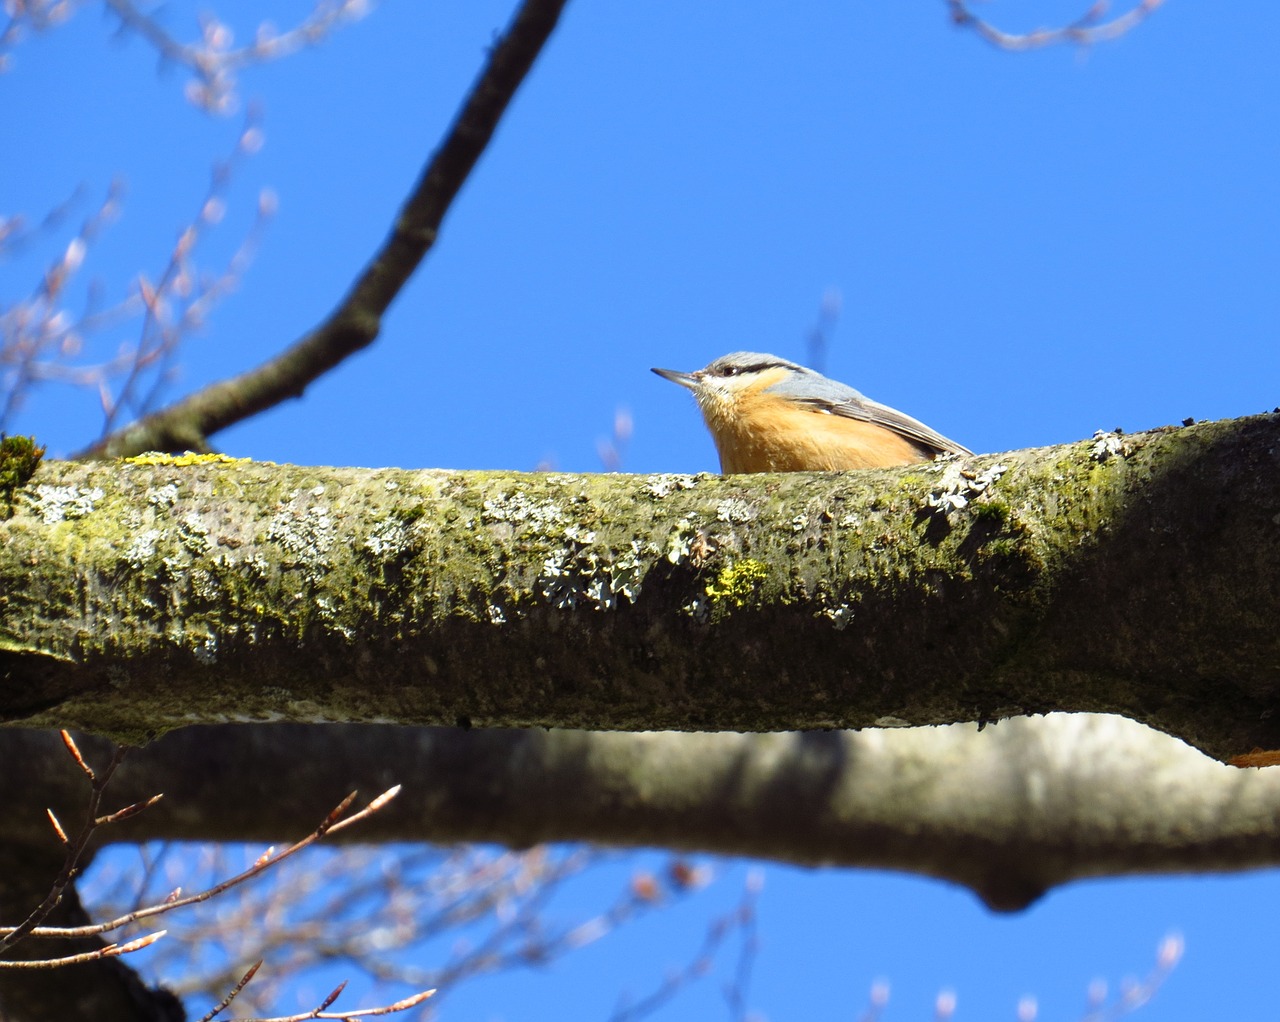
x=729, y=370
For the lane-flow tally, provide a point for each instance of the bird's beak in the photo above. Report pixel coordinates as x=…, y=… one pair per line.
x=689, y=380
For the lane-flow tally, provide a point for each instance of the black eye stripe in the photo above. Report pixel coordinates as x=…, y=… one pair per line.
x=735, y=370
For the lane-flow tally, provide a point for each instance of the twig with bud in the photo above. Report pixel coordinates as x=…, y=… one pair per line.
x=75, y=849
x=1091, y=27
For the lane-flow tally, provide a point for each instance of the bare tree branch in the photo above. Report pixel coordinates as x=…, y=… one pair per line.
x=214, y=60
x=404, y=1004
x=39, y=338
x=1090, y=28
x=179, y=300
x=335, y=822
x=75, y=849
x=99, y=985
x=41, y=341
x=106, y=951
x=356, y=321
x=741, y=920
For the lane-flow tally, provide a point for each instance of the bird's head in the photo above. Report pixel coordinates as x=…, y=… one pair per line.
x=719, y=386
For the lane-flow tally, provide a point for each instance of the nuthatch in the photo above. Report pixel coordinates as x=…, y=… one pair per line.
x=770, y=415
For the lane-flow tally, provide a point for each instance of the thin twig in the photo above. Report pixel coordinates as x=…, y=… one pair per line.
x=223, y=1004
x=162, y=332
x=36, y=332
x=75, y=849
x=332, y=824
x=388, y=1009
x=742, y=919
x=319, y=1012
x=1135, y=994
x=106, y=951
x=213, y=60
x=1086, y=30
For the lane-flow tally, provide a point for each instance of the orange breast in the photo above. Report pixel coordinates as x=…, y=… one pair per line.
x=768, y=434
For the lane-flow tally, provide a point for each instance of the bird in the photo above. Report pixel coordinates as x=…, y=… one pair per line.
x=767, y=414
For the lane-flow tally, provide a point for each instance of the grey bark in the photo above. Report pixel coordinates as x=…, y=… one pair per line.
x=1009, y=812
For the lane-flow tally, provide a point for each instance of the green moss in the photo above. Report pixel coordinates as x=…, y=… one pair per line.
x=19, y=456
x=1003, y=548
x=408, y=515
x=994, y=512
x=738, y=583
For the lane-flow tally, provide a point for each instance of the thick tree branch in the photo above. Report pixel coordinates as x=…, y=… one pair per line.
x=1129, y=575
x=354, y=324
x=1010, y=811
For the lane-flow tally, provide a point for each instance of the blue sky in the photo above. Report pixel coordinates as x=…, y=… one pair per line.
x=1027, y=247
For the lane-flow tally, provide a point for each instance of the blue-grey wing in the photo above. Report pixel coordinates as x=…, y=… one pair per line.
x=835, y=398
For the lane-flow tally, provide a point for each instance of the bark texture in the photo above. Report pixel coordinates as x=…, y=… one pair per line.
x=1129, y=575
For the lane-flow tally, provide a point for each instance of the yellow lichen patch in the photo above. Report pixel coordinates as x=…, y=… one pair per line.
x=738, y=583
x=186, y=458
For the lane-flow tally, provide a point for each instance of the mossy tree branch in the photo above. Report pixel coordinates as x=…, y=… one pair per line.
x=1128, y=575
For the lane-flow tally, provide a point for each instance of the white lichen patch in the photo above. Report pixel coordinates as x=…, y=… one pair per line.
x=579, y=576
x=1108, y=445
x=619, y=579
x=164, y=497
x=558, y=583
x=256, y=566
x=680, y=541
x=840, y=616
x=958, y=486
x=142, y=548
x=517, y=507
x=307, y=534
x=699, y=609
x=387, y=539
x=947, y=502
x=687, y=543
x=735, y=509
x=206, y=652
x=664, y=485
x=63, y=503
x=205, y=586
x=194, y=534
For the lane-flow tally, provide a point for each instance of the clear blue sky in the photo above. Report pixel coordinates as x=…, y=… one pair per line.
x=1029, y=248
